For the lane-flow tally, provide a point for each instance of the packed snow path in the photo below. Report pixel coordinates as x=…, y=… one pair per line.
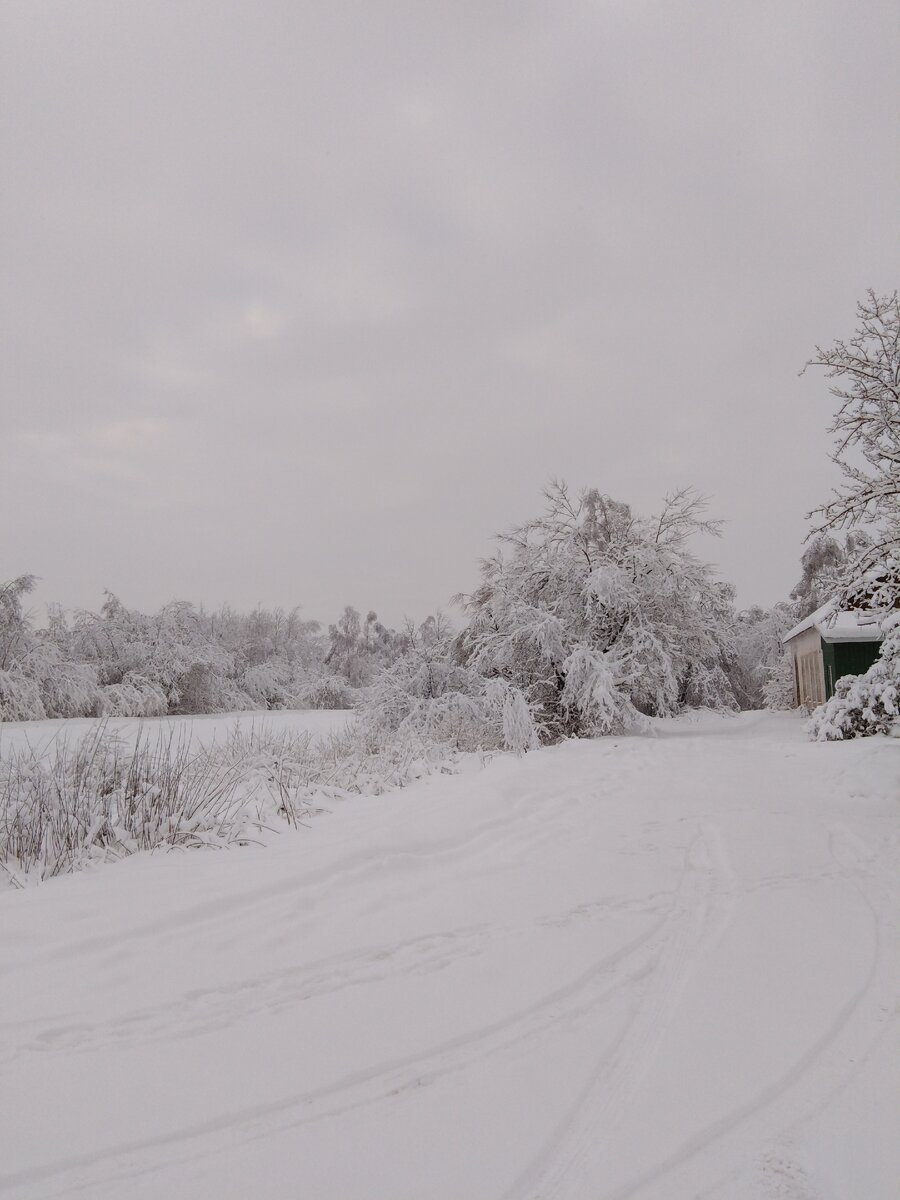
x=660, y=967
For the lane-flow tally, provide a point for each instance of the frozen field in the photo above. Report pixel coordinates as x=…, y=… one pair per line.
x=199, y=730
x=660, y=967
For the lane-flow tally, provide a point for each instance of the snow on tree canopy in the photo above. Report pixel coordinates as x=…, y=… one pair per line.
x=599, y=616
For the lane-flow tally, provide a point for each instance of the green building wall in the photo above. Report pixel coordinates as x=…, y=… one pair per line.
x=846, y=658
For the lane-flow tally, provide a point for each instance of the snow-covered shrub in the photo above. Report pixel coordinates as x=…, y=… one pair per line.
x=268, y=685
x=170, y=649
x=867, y=704
x=291, y=775
x=20, y=698
x=516, y=718
x=66, y=688
x=323, y=689
x=44, y=682
x=63, y=808
x=278, y=685
x=94, y=799
x=135, y=696
x=430, y=694
x=70, y=689
x=206, y=687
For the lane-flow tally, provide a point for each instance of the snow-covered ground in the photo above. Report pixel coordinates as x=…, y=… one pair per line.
x=661, y=967
x=197, y=730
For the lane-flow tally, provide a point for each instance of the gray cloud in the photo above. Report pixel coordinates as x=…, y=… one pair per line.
x=303, y=301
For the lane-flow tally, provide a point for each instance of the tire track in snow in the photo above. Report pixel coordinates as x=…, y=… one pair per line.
x=573, y=1157
x=598, y=983
x=354, y=869
x=203, y=1010
x=815, y=1078
x=529, y=811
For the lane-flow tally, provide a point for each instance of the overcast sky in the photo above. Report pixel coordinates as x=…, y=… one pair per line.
x=302, y=302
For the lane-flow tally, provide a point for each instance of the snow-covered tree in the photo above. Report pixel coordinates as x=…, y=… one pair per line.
x=278, y=658
x=167, y=653
x=122, y=662
x=16, y=634
x=20, y=697
x=866, y=374
x=599, y=617
x=359, y=648
x=266, y=635
x=821, y=565
x=759, y=655
x=430, y=692
x=778, y=688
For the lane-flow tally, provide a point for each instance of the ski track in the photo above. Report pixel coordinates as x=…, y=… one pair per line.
x=541, y=819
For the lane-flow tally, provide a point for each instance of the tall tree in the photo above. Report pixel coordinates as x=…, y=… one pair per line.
x=15, y=627
x=599, y=616
x=866, y=374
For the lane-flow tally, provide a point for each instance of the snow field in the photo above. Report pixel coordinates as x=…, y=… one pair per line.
x=200, y=730
x=658, y=967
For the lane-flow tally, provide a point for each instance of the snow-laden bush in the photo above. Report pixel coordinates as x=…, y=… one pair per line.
x=66, y=688
x=293, y=774
x=520, y=733
x=278, y=685
x=431, y=695
x=867, y=704
x=96, y=799
x=135, y=696
x=269, y=685
x=324, y=689
x=65, y=807
x=196, y=661
x=45, y=683
x=20, y=698
x=70, y=689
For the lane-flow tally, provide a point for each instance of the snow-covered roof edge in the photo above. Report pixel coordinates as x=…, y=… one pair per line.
x=839, y=625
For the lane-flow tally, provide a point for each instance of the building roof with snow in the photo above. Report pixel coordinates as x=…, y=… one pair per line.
x=840, y=625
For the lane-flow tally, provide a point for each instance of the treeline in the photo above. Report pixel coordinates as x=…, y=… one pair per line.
x=588, y=618
x=181, y=659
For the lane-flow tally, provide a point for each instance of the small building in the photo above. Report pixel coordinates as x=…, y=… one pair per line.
x=827, y=645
